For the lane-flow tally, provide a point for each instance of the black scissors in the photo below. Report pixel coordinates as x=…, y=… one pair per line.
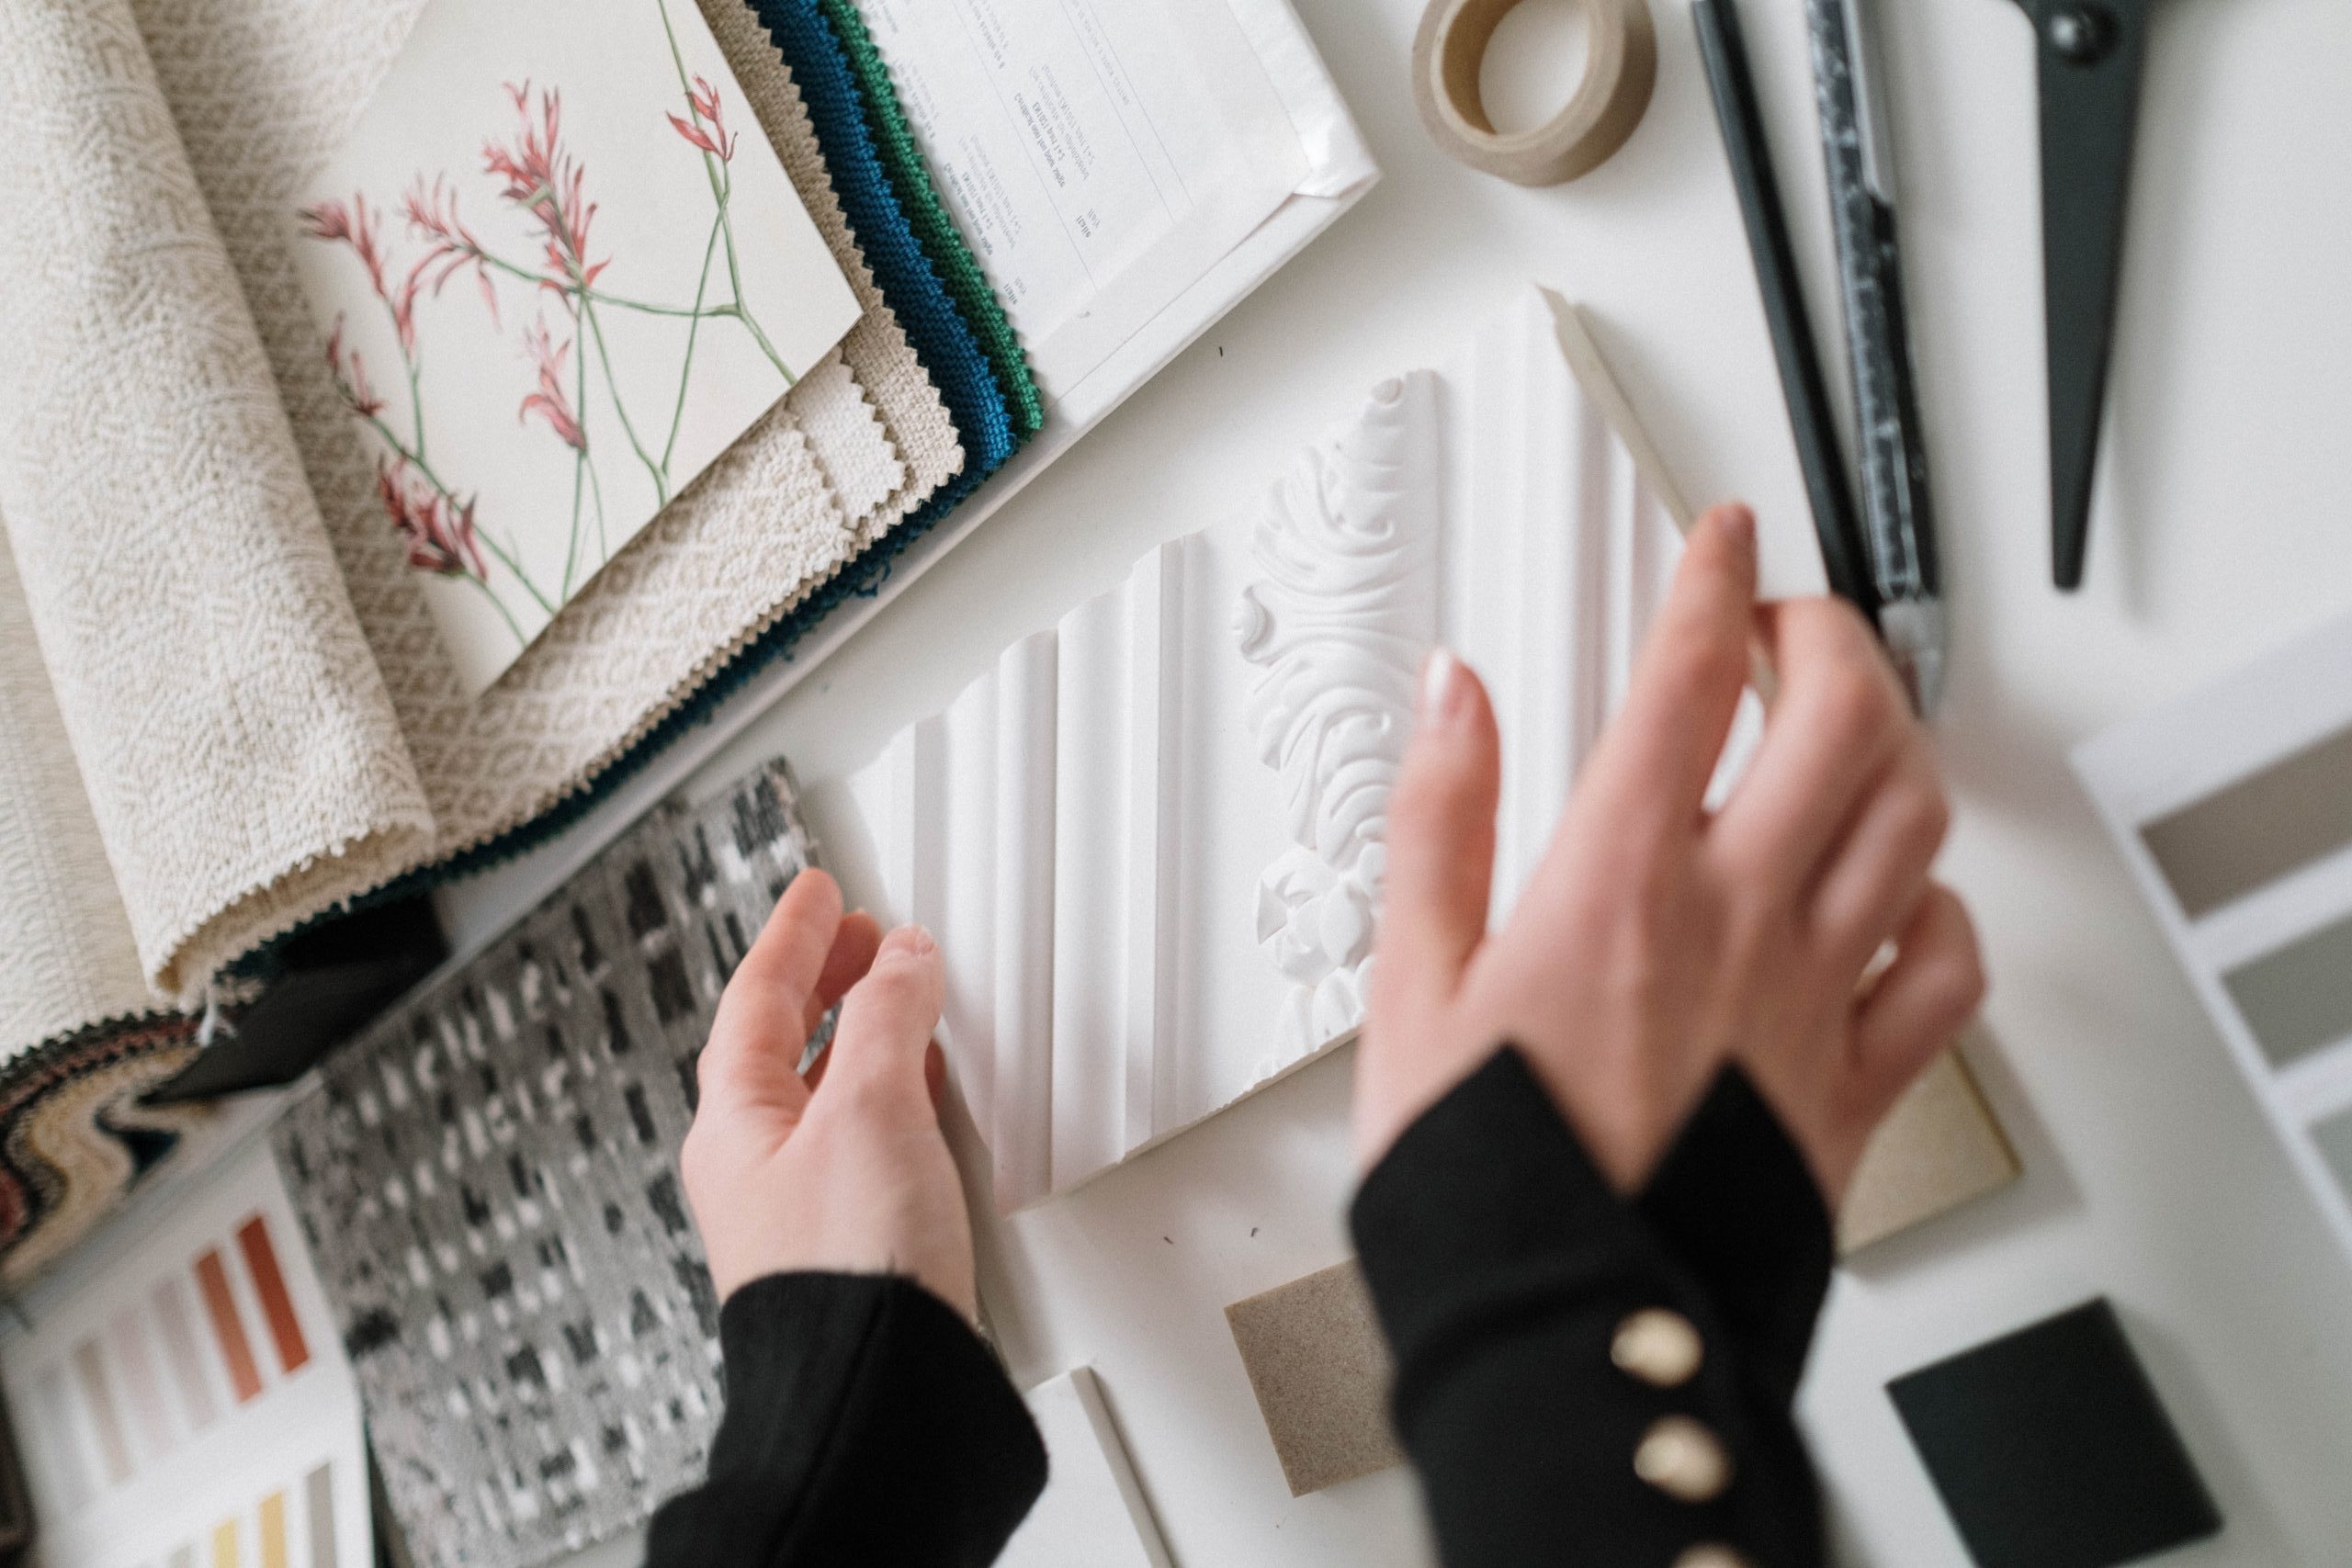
x=2090, y=53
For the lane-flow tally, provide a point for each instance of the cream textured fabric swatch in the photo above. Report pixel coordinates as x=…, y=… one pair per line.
x=262, y=91
x=244, y=762
x=72, y=961
x=847, y=438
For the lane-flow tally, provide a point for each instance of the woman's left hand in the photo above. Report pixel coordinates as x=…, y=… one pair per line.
x=846, y=1170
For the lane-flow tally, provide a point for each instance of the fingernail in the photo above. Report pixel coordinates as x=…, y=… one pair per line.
x=1739, y=524
x=1441, y=688
x=916, y=939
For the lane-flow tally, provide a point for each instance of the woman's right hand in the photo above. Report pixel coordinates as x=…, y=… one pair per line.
x=1656, y=940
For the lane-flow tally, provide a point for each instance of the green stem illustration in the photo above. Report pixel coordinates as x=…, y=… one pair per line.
x=618, y=301
x=578, y=465
x=721, y=189
x=685, y=370
x=613, y=386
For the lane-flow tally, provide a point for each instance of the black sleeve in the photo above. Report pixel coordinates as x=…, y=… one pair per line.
x=865, y=1424
x=1516, y=1289
x=1735, y=1203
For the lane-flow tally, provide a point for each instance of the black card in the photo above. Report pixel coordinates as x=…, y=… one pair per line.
x=2051, y=1450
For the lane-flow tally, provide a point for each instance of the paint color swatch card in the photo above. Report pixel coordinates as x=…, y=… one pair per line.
x=189, y=1406
x=560, y=270
x=2234, y=809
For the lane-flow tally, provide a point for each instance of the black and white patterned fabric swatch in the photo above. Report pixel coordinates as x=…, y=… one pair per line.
x=487, y=1178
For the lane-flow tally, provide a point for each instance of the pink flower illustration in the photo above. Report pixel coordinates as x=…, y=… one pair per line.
x=704, y=100
x=550, y=402
x=355, y=226
x=358, y=395
x=545, y=181
x=438, y=533
x=432, y=213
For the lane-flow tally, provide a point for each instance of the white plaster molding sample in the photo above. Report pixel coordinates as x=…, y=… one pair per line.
x=1093, y=1512
x=1337, y=629
x=1151, y=840
x=1089, y=830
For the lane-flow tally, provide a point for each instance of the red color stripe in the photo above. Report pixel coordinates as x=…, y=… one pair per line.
x=253, y=1239
x=212, y=1279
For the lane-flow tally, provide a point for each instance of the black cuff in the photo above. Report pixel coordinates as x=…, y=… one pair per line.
x=1485, y=1209
x=1735, y=1203
x=1521, y=1295
x=866, y=1423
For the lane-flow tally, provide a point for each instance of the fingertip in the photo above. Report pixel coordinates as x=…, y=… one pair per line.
x=787, y=959
x=815, y=888
x=1737, y=520
x=1441, y=829
x=909, y=942
x=1728, y=530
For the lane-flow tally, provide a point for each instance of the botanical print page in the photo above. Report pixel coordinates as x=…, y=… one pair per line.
x=559, y=270
x=1098, y=156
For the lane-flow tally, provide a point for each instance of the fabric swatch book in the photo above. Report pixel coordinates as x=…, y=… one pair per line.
x=215, y=730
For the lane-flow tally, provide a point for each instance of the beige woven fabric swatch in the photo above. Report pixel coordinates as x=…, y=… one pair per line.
x=262, y=90
x=242, y=757
x=71, y=958
x=847, y=439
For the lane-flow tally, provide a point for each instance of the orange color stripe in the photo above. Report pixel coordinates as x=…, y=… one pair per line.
x=253, y=1239
x=212, y=1281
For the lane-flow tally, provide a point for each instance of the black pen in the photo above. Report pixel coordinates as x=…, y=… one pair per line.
x=1896, y=507
x=1844, y=559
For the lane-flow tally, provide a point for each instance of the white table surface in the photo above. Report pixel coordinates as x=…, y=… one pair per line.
x=2220, y=529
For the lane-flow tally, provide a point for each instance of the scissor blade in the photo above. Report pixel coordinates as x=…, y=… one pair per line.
x=2087, y=113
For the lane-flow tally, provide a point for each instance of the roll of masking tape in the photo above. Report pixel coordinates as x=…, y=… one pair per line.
x=1620, y=67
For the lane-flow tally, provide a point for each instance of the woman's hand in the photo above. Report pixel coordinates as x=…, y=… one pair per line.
x=845, y=1171
x=1657, y=941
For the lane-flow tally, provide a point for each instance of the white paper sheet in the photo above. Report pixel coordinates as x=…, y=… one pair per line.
x=192, y=1397
x=1099, y=156
x=1092, y=1514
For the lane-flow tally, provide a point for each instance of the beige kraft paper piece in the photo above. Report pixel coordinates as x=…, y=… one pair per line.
x=1938, y=1149
x=1320, y=1370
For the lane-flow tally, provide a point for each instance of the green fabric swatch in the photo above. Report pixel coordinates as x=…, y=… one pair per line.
x=942, y=242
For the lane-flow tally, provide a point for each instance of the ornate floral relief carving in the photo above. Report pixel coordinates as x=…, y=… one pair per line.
x=1337, y=628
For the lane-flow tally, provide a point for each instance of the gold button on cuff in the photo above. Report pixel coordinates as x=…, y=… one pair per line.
x=1714, y=1554
x=1659, y=1347
x=1683, y=1458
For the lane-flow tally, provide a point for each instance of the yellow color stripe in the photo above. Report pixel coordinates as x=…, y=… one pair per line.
x=224, y=1544
x=273, y=1530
